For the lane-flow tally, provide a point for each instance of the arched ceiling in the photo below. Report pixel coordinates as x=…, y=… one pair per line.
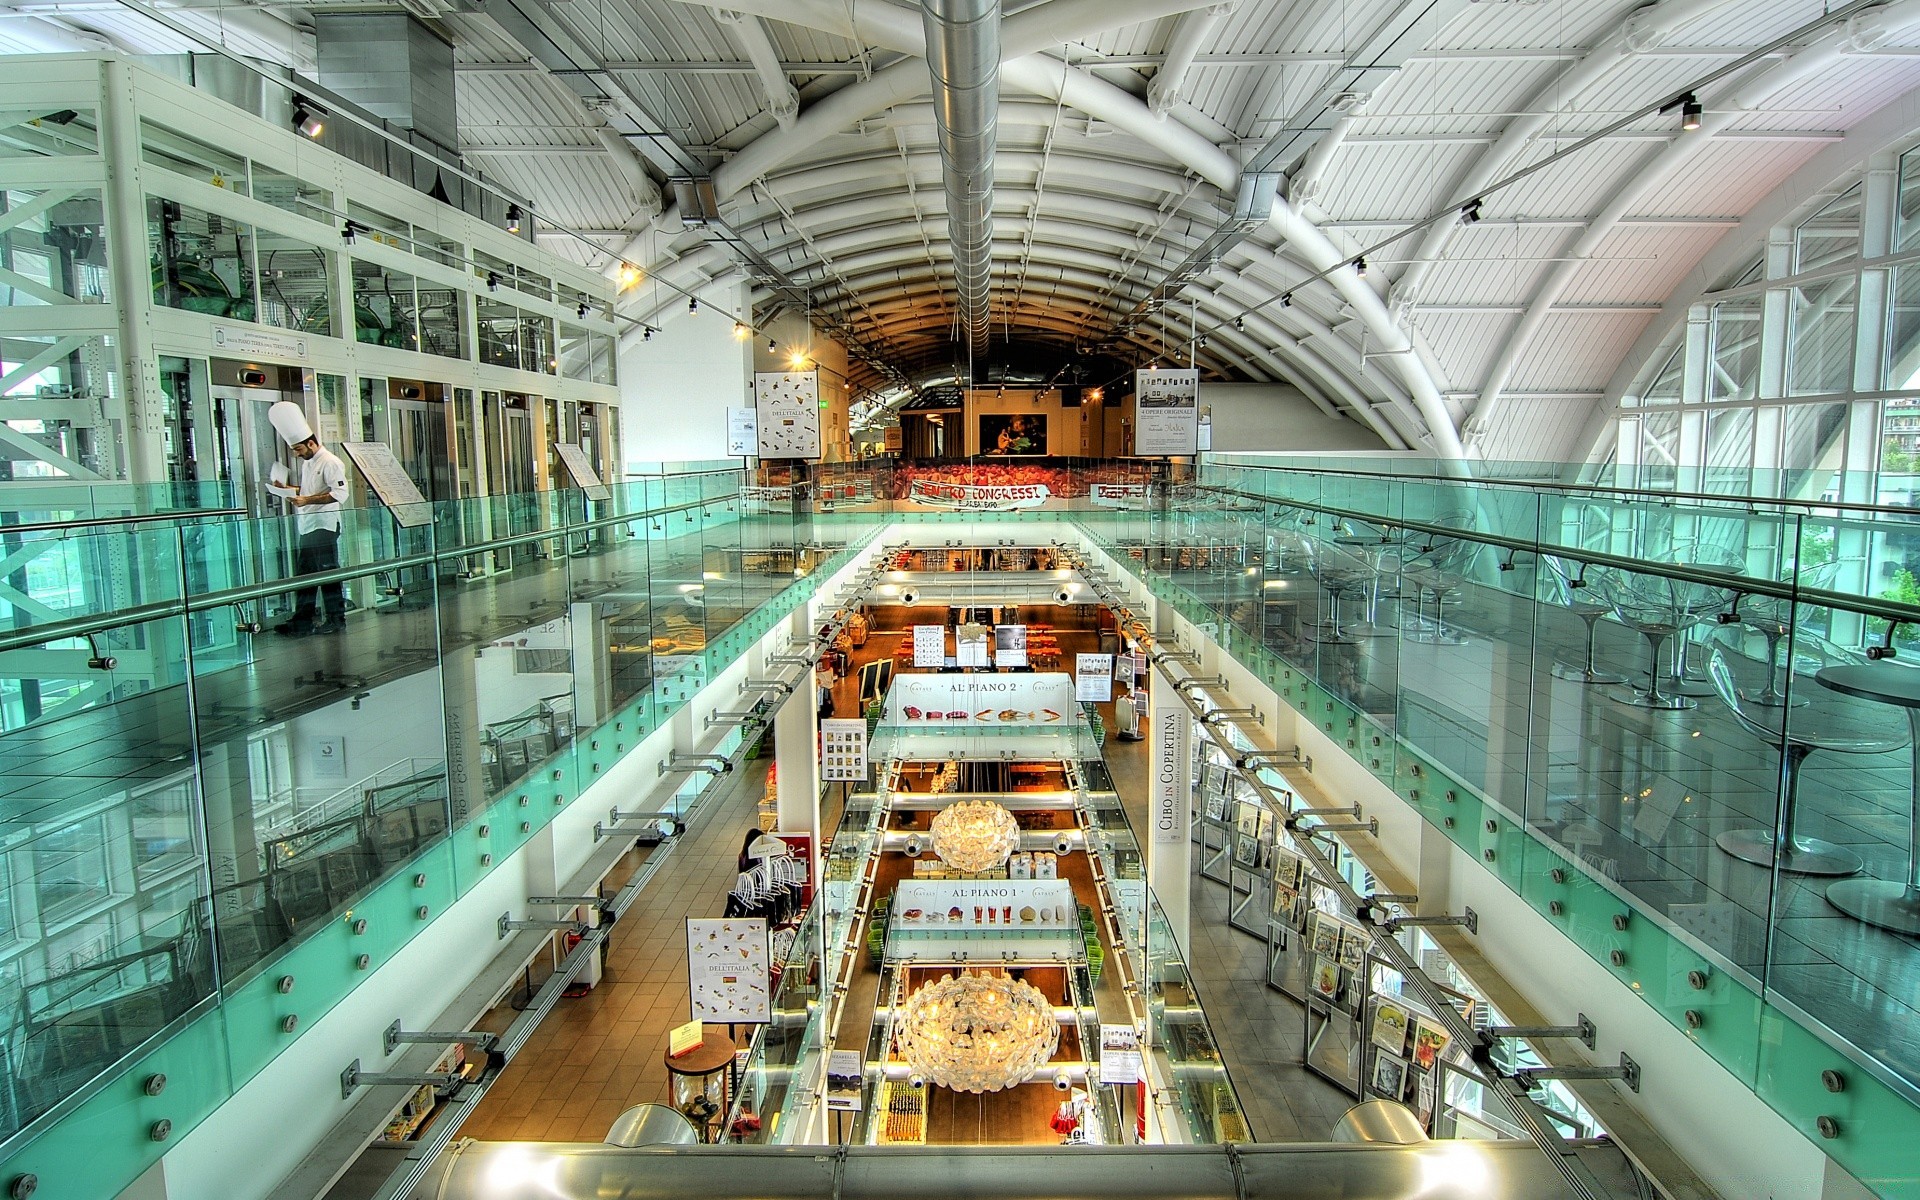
x=1126, y=132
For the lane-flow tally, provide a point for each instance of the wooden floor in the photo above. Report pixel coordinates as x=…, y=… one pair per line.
x=1015, y=1117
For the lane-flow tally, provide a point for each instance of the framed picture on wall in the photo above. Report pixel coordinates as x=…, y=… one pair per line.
x=1008, y=434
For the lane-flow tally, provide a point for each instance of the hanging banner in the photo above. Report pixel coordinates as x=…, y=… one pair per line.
x=787, y=413
x=1170, y=788
x=930, y=646
x=1166, y=412
x=843, y=751
x=1012, y=699
x=977, y=497
x=1093, y=677
x=743, y=431
x=1010, y=645
x=727, y=970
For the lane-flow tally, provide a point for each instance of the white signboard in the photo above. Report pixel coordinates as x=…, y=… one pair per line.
x=930, y=646
x=973, y=700
x=249, y=341
x=578, y=465
x=1028, y=904
x=846, y=1072
x=1093, y=677
x=1123, y=669
x=977, y=497
x=1166, y=412
x=743, y=431
x=727, y=970
x=1170, y=786
x=1010, y=645
x=843, y=751
x=1119, y=1054
x=787, y=413
x=390, y=481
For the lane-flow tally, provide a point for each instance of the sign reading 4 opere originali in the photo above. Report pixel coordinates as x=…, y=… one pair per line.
x=1166, y=412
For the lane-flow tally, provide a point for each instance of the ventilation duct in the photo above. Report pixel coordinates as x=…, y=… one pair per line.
x=963, y=53
x=393, y=67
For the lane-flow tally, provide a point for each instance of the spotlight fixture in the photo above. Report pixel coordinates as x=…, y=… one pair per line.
x=1470, y=212
x=348, y=231
x=493, y=281
x=1286, y=299
x=646, y=333
x=1240, y=324
x=629, y=276
x=739, y=332
x=1360, y=267
x=1690, y=112
x=693, y=304
x=771, y=344
x=515, y=214
x=309, y=122
x=583, y=309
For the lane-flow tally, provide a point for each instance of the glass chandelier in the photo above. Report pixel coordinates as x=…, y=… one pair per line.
x=978, y=1033
x=974, y=835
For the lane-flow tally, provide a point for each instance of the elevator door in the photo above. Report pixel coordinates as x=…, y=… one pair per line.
x=420, y=442
x=510, y=467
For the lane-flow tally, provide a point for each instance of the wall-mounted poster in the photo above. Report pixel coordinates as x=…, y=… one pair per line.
x=727, y=970
x=787, y=413
x=1166, y=412
x=743, y=431
x=1006, y=434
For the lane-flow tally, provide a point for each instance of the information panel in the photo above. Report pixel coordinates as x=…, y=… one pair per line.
x=390, y=481
x=727, y=970
x=1014, y=699
x=1093, y=677
x=1166, y=412
x=1010, y=645
x=580, y=467
x=985, y=904
x=1119, y=1054
x=930, y=646
x=843, y=751
x=743, y=431
x=787, y=413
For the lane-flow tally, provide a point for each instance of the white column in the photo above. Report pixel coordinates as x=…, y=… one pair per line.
x=1170, y=804
x=796, y=731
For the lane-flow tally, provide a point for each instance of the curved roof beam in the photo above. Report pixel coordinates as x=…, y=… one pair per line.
x=783, y=101
x=1189, y=34
x=1645, y=27
x=1740, y=95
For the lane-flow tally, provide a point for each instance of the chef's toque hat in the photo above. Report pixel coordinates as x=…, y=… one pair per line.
x=289, y=422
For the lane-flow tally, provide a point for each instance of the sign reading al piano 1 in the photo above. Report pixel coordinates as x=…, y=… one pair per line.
x=980, y=497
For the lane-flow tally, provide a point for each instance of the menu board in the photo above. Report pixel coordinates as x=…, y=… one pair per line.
x=743, y=431
x=390, y=481
x=787, y=413
x=578, y=465
x=983, y=904
x=1166, y=412
x=930, y=646
x=1119, y=1054
x=1010, y=645
x=727, y=970
x=1093, y=677
x=843, y=751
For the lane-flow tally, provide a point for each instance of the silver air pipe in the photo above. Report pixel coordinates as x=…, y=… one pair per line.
x=1448, y=1170
x=963, y=54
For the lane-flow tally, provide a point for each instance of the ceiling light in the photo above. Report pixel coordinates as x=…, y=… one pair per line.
x=515, y=214
x=584, y=307
x=493, y=281
x=348, y=230
x=1286, y=299
x=772, y=345
x=1360, y=267
x=693, y=304
x=646, y=333
x=1240, y=323
x=1690, y=113
x=978, y=1033
x=739, y=332
x=1470, y=212
x=972, y=836
x=307, y=121
x=629, y=276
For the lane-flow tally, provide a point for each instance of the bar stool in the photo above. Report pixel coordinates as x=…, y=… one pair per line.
x=1646, y=605
x=1572, y=578
x=1840, y=727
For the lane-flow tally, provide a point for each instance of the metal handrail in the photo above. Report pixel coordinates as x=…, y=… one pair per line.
x=185, y=514
x=1748, y=502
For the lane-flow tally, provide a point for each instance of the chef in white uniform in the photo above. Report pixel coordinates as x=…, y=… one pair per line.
x=316, y=501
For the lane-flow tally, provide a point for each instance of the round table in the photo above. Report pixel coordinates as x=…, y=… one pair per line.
x=714, y=1054
x=1887, y=903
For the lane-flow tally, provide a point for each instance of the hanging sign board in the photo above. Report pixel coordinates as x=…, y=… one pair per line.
x=1166, y=412
x=727, y=972
x=580, y=467
x=977, y=497
x=845, y=1072
x=1093, y=677
x=891, y=439
x=970, y=646
x=1010, y=645
x=843, y=751
x=1013, y=699
x=1170, y=785
x=743, y=431
x=1119, y=1053
x=787, y=413
x=390, y=481
x=1123, y=669
x=930, y=646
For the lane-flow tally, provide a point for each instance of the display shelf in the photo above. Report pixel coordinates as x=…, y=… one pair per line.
x=903, y=1115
